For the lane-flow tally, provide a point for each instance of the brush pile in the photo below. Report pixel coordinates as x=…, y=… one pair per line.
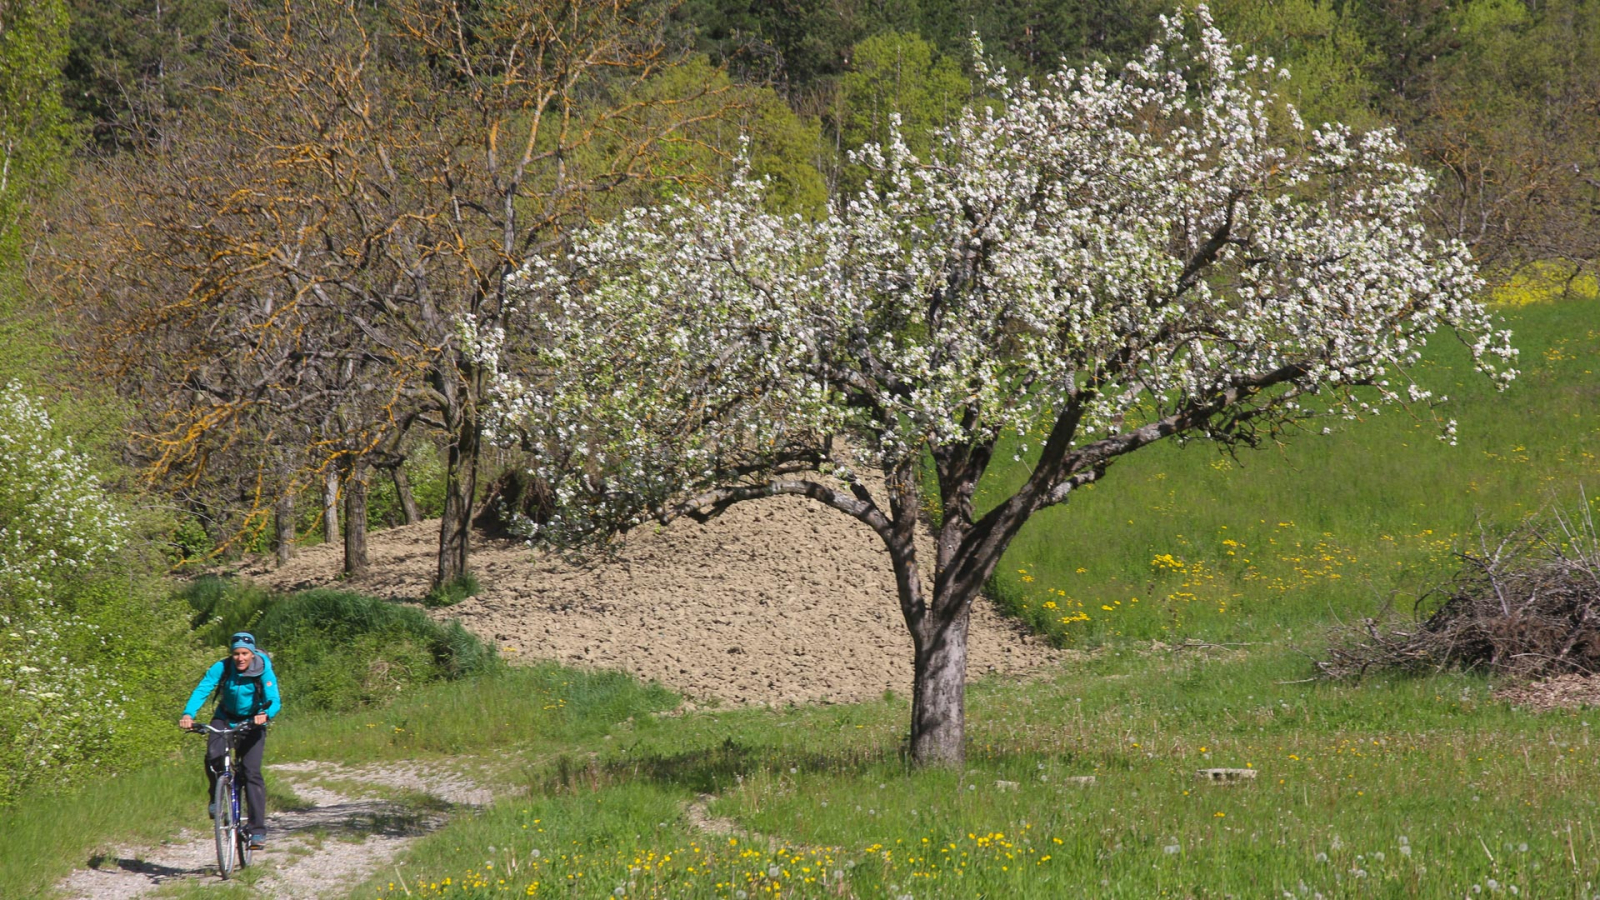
x=1526, y=605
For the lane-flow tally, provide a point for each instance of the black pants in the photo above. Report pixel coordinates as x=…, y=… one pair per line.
x=248, y=772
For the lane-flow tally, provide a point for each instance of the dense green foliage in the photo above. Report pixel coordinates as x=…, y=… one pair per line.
x=34, y=129
x=1499, y=98
x=896, y=75
x=336, y=650
x=90, y=649
x=805, y=43
x=35, y=134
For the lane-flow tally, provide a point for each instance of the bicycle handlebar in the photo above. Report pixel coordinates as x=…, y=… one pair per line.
x=208, y=728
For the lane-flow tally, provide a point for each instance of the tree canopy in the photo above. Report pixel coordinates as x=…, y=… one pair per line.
x=1103, y=260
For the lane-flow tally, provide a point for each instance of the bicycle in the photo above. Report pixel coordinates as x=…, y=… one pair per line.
x=232, y=834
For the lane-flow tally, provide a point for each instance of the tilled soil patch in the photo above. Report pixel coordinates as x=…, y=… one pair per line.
x=780, y=600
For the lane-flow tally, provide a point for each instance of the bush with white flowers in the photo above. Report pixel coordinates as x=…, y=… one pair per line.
x=1095, y=263
x=56, y=526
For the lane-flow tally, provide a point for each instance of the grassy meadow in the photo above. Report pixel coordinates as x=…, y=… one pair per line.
x=1185, y=541
x=1396, y=787
x=1392, y=787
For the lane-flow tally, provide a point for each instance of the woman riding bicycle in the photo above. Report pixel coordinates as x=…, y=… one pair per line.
x=247, y=691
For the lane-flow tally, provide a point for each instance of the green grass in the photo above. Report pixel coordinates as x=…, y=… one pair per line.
x=453, y=592
x=1184, y=541
x=535, y=709
x=600, y=785
x=48, y=835
x=1352, y=772
x=45, y=836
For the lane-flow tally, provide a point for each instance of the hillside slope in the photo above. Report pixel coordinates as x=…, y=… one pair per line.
x=776, y=601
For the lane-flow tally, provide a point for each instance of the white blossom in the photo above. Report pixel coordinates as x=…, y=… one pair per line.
x=1131, y=248
x=55, y=523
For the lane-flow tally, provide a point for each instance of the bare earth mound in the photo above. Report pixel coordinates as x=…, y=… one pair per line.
x=780, y=600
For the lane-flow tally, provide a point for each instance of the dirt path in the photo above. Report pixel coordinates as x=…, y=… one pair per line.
x=356, y=821
x=779, y=600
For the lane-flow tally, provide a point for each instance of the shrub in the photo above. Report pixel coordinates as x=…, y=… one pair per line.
x=222, y=607
x=88, y=650
x=336, y=650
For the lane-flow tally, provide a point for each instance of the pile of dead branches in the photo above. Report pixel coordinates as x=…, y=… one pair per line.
x=1525, y=604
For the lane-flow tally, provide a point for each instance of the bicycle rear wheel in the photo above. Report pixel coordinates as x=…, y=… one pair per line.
x=225, y=825
x=242, y=832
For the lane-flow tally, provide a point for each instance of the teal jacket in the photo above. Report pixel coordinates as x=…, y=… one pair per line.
x=240, y=695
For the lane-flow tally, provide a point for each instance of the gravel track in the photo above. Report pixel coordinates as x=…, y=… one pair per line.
x=342, y=837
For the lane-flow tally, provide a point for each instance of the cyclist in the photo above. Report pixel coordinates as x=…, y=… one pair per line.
x=247, y=691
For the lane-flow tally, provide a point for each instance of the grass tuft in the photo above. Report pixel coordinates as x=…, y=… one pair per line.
x=452, y=592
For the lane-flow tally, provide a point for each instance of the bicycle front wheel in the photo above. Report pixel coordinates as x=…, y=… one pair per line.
x=225, y=825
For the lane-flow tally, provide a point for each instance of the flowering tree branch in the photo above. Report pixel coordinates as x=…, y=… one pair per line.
x=1101, y=262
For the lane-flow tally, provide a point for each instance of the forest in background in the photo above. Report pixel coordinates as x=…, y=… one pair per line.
x=235, y=238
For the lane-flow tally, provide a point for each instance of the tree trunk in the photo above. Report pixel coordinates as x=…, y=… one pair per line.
x=461, y=482
x=283, y=522
x=939, y=689
x=355, y=520
x=330, y=503
x=402, y=488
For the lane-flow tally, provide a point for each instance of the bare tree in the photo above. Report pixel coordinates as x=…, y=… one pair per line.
x=371, y=176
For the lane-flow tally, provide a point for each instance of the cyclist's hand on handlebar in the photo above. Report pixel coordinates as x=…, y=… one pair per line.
x=186, y=723
x=261, y=719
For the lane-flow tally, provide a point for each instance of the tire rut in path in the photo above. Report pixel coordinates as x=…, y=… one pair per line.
x=337, y=841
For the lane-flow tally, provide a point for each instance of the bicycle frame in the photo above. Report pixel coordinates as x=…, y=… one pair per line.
x=232, y=835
